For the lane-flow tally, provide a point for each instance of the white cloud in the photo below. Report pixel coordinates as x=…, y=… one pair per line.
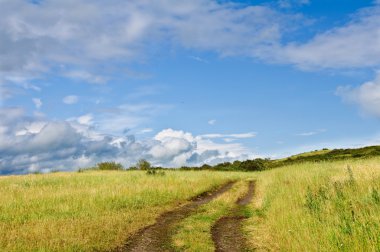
x=80, y=35
x=199, y=59
x=85, y=119
x=211, y=122
x=29, y=144
x=37, y=102
x=236, y=136
x=70, y=99
x=54, y=36
x=145, y=131
x=173, y=134
x=353, y=45
x=366, y=96
x=311, y=133
x=86, y=76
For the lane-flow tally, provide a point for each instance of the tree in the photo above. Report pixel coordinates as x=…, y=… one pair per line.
x=143, y=165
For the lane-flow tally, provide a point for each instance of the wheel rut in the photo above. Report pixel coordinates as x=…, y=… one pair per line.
x=157, y=237
x=227, y=231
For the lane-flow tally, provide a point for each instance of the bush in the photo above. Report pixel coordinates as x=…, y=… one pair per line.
x=109, y=166
x=253, y=165
x=143, y=165
x=155, y=172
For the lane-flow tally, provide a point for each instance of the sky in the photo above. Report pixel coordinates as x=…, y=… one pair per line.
x=181, y=82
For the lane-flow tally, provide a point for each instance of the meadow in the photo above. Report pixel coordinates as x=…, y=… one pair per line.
x=96, y=210
x=324, y=206
x=311, y=206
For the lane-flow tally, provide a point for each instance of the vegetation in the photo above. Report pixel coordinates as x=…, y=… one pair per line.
x=95, y=210
x=324, y=155
x=110, y=166
x=143, y=165
x=325, y=206
x=328, y=155
x=327, y=200
x=105, y=166
x=194, y=233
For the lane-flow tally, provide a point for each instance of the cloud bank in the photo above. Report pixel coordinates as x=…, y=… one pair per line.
x=31, y=144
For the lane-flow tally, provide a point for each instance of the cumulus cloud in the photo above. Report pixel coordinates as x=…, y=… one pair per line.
x=29, y=144
x=366, y=96
x=70, y=99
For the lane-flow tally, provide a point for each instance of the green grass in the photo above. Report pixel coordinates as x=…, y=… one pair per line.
x=325, y=206
x=194, y=233
x=92, y=210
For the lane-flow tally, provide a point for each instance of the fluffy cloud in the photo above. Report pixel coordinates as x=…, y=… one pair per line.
x=353, y=45
x=29, y=144
x=74, y=38
x=367, y=96
x=70, y=99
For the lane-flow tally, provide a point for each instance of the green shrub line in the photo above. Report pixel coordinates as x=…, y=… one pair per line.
x=258, y=164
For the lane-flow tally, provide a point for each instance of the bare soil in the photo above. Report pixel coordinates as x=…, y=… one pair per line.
x=157, y=237
x=227, y=231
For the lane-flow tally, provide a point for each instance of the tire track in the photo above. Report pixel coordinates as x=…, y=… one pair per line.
x=227, y=231
x=157, y=237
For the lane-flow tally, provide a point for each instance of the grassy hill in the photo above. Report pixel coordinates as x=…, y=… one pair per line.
x=329, y=155
x=323, y=155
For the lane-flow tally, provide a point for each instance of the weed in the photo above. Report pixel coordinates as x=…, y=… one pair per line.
x=375, y=196
x=351, y=179
x=155, y=172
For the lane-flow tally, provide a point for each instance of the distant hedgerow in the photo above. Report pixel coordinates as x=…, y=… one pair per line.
x=109, y=166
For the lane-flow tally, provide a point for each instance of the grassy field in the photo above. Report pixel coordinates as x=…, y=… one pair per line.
x=92, y=210
x=194, y=233
x=330, y=206
x=324, y=206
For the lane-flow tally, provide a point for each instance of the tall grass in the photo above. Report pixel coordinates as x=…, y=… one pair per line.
x=331, y=206
x=194, y=233
x=90, y=211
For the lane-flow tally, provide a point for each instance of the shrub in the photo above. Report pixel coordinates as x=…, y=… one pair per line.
x=155, y=172
x=109, y=166
x=143, y=165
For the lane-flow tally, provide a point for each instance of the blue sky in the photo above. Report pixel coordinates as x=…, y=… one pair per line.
x=184, y=83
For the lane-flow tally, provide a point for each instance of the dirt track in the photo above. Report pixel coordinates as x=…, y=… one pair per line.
x=227, y=231
x=157, y=237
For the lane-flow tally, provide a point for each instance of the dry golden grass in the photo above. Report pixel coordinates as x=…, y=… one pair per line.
x=318, y=207
x=93, y=210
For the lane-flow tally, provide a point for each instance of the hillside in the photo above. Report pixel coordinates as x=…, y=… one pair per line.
x=312, y=156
